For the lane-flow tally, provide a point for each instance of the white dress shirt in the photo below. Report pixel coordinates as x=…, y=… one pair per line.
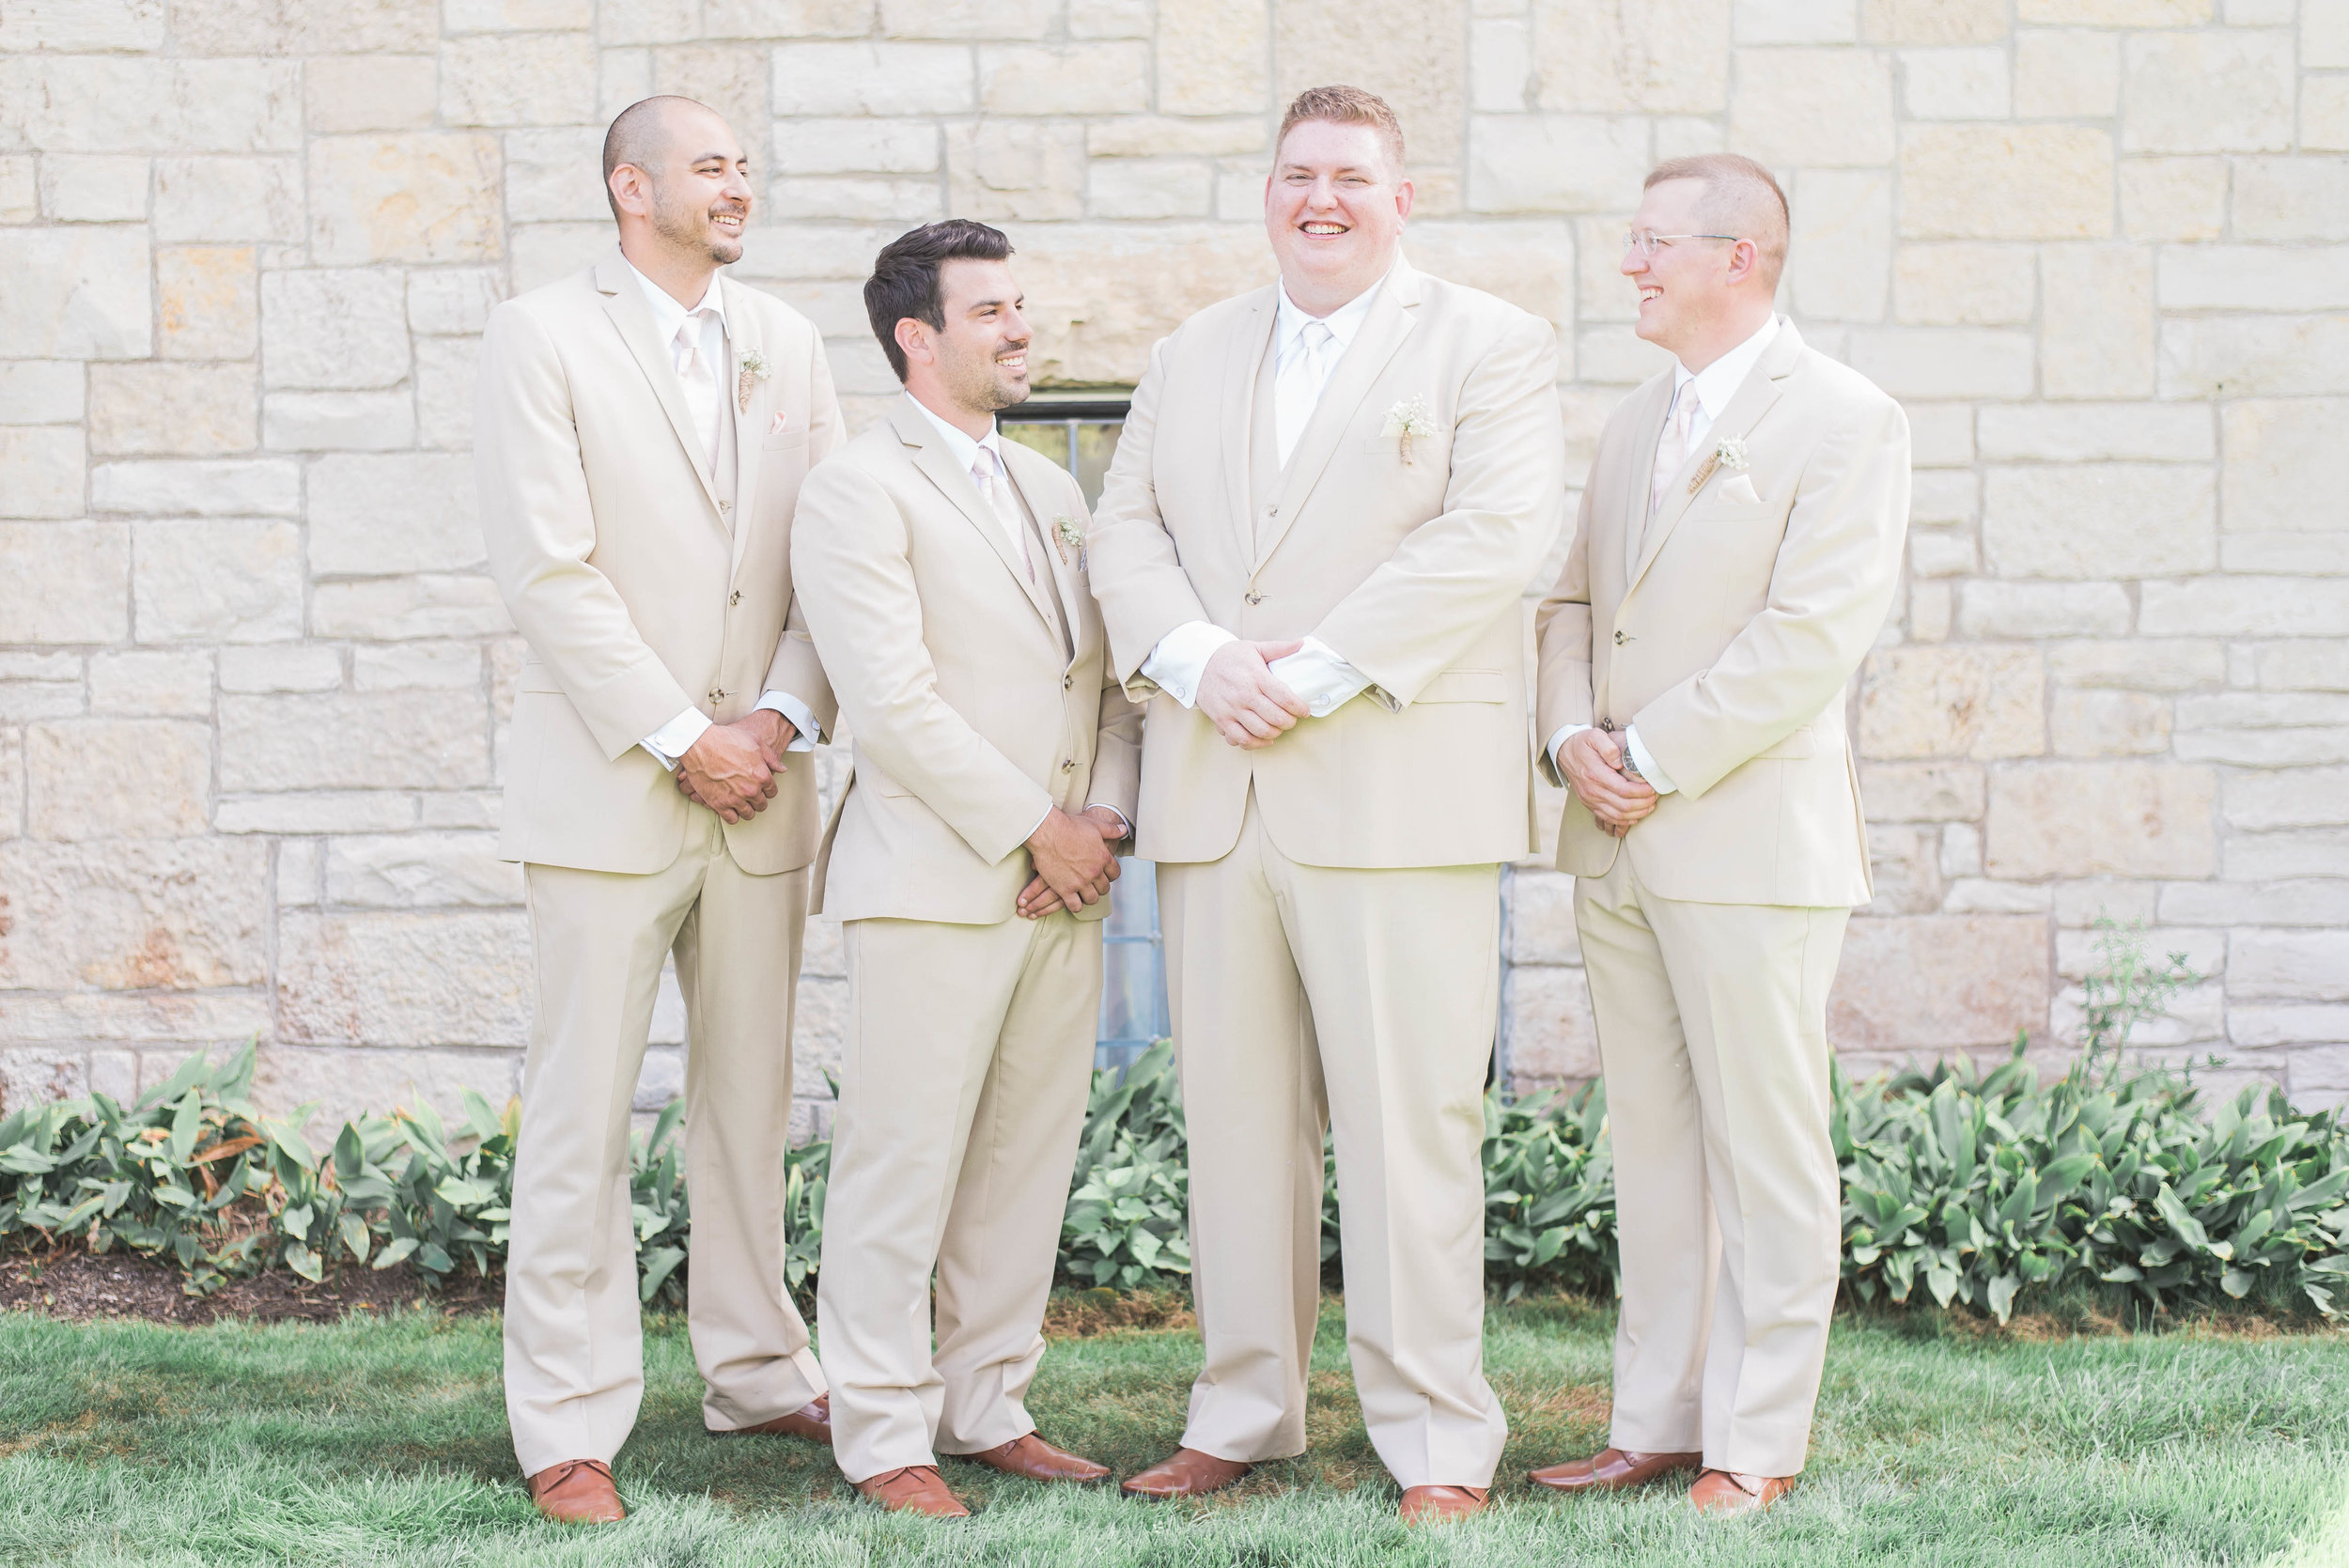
x=1317, y=673
x=1712, y=389
x=966, y=454
x=676, y=328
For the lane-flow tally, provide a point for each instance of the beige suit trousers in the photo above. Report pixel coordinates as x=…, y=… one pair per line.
x=1361, y=999
x=574, y=1370
x=962, y=1092
x=1712, y=1032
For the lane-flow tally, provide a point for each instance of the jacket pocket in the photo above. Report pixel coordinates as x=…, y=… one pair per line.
x=784, y=442
x=1467, y=686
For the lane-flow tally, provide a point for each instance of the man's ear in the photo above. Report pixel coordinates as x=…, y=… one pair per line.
x=631, y=188
x=914, y=340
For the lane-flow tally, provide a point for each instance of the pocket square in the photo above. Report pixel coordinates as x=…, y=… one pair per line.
x=776, y=429
x=1739, y=488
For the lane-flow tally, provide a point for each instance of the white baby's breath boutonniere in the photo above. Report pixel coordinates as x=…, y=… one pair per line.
x=754, y=371
x=1407, y=419
x=1068, y=535
x=1730, y=453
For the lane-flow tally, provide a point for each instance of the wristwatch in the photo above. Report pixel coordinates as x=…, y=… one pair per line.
x=1623, y=745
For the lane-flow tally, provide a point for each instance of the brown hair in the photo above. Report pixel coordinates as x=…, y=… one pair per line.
x=1344, y=105
x=1734, y=193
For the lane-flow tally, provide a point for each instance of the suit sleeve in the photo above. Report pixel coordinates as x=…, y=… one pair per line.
x=848, y=554
x=795, y=667
x=539, y=530
x=1141, y=585
x=1830, y=589
x=1458, y=572
x=1562, y=641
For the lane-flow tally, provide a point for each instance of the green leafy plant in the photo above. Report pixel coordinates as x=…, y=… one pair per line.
x=1129, y=1199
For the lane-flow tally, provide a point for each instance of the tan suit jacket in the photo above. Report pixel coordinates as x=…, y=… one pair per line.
x=638, y=594
x=1412, y=572
x=1729, y=640
x=975, y=697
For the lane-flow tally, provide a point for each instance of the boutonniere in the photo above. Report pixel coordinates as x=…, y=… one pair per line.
x=1730, y=453
x=754, y=371
x=1407, y=419
x=1067, y=535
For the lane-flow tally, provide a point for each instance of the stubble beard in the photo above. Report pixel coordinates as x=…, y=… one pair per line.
x=688, y=230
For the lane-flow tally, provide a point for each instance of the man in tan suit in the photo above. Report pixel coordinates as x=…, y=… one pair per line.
x=1737, y=551
x=941, y=570
x=1325, y=507
x=641, y=430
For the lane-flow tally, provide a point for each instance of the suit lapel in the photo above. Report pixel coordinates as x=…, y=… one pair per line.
x=750, y=431
x=1388, y=323
x=1752, y=399
x=624, y=301
x=1036, y=480
x=1243, y=355
x=937, y=465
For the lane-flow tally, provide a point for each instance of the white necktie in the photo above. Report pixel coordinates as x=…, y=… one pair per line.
x=1671, y=449
x=1297, y=385
x=700, y=380
x=987, y=471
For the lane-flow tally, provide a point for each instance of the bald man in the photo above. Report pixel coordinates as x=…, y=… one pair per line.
x=1736, y=553
x=641, y=429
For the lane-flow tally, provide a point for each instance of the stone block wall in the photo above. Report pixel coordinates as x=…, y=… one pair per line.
x=253, y=679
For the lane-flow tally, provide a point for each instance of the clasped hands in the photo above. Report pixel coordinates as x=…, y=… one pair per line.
x=1592, y=760
x=733, y=767
x=1250, y=707
x=1075, y=858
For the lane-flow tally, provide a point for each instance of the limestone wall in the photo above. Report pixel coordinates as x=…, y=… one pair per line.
x=253, y=679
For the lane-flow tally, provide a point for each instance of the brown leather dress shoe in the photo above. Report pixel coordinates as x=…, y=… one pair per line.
x=812, y=1420
x=1734, y=1492
x=1613, y=1469
x=577, y=1492
x=914, y=1489
x=1437, y=1505
x=1038, y=1460
x=1187, y=1473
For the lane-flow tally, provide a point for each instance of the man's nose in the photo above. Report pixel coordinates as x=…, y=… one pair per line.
x=738, y=188
x=1015, y=327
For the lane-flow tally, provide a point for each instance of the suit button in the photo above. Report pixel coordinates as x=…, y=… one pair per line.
x=1069, y=765
x=1255, y=598
x=725, y=506
x=1621, y=639
x=718, y=694
x=1272, y=511
x=734, y=598
x=1066, y=681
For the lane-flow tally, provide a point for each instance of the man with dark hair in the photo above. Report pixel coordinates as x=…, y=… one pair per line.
x=1738, y=552
x=1325, y=508
x=943, y=573
x=640, y=432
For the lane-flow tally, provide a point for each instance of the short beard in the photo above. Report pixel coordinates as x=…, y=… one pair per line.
x=985, y=390
x=689, y=231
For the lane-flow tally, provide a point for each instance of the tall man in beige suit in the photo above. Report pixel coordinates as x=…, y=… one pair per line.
x=941, y=570
x=641, y=430
x=1738, y=546
x=1326, y=505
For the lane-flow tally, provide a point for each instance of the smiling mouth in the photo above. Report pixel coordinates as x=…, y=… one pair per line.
x=1323, y=229
x=1013, y=362
x=1651, y=293
x=730, y=222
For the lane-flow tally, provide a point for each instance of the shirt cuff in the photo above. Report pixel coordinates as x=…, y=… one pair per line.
x=675, y=739
x=1566, y=732
x=1181, y=658
x=1656, y=778
x=1321, y=675
x=1121, y=816
x=806, y=731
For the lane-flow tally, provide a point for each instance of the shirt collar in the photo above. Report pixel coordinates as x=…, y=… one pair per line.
x=965, y=450
x=667, y=315
x=1289, y=319
x=1718, y=382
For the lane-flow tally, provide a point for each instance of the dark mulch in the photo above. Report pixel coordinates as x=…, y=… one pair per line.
x=75, y=1285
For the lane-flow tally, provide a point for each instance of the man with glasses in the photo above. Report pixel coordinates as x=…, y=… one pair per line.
x=1736, y=553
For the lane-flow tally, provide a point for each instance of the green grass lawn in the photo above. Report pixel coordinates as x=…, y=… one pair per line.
x=383, y=1441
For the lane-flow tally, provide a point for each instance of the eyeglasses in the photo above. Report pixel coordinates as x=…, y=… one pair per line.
x=1648, y=242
